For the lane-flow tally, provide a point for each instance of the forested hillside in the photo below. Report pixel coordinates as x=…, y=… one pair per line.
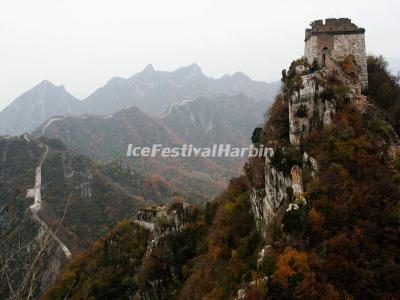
x=55, y=203
x=335, y=235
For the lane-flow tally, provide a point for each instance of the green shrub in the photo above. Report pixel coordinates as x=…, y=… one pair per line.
x=327, y=94
x=294, y=220
x=284, y=159
x=302, y=111
x=257, y=136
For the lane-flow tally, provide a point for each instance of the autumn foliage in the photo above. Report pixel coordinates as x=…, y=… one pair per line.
x=343, y=245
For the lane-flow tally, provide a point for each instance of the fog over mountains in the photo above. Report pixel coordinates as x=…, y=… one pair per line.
x=150, y=90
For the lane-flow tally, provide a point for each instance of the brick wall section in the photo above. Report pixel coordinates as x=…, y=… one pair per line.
x=353, y=44
x=341, y=38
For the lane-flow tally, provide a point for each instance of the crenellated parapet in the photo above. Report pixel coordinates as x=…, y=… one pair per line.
x=333, y=27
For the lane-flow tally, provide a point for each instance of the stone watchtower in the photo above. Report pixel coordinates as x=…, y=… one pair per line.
x=335, y=39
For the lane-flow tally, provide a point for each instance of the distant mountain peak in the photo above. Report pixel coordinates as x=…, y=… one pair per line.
x=195, y=69
x=151, y=90
x=149, y=69
x=241, y=75
x=36, y=105
x=190, y=71
x=116, y=81
x=46, y=83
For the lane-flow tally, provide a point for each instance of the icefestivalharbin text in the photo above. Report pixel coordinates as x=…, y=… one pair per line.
x=188, y=150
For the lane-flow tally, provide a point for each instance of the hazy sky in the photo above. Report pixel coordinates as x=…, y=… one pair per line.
x=82, y=44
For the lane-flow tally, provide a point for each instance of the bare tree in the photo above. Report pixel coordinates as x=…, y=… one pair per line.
x=23, y=263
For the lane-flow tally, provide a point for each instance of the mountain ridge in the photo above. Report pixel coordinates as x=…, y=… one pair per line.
x=151, y=90
x=42, y=101
x=201, y=122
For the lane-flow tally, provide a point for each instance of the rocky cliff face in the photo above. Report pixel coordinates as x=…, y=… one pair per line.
x=313, y=102
x=312, y=97
x=279, y=190
x=316, y=193
x=164, y=222
x=266, y=201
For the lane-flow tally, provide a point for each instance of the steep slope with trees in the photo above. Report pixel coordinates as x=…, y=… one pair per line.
x=328, y=227
x=54, y=202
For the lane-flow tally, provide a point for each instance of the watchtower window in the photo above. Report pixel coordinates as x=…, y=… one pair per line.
x=324, y=51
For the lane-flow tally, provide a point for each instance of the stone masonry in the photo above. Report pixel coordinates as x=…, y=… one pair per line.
x=337, y=38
